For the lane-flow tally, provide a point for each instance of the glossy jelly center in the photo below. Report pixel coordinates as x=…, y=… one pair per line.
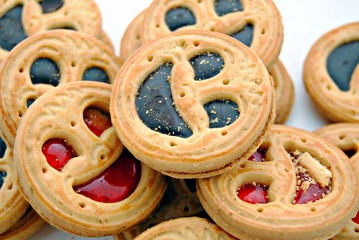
x=2, y=148
x=155, y=105
x=49, y=6
x=307, y=194
x=356, y=218
x=221, y=113
x=45, y=71
x=258, y=156
x=11, y=28
x=2, y=178
x=114, y=184
x=245, y=35
x=206, y=65
x=58, y=152
x=341, y=64
x=97, y=120
x=253, y=193
x=96, y=74
x=223, y=7
x=179, y=17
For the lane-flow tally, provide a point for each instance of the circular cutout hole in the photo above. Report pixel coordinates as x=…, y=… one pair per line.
x=224, y=133
x=196, y=43
x=286, y=170
x=73, y=64
x=9, y=187
x=21, y=70
x=157, y=25
x=225, y=82
x=260, y=210
x=341, y=137
x=356, y=230
x=44, y=170
x=243, y=165
x=102, y=156
x=173, y=144
x=329, y=88
x=263, y=31
x=303, y=140
x=150, y=58
x=182, y=94
x=73, y=123
x=82, y=205
x=313, y=209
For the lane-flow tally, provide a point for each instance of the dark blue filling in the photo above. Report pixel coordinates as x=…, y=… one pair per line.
x=2, y=148
x=245, y=35
x=96, y=74
x=221, y=113
x=206, y=65
x=179, y=17
x=2, y=178
x=224, y=7
x=155, y=104
x=45, y=71
x=51, y=5
x=11, y=29
x=29, y=102
x=341, y=64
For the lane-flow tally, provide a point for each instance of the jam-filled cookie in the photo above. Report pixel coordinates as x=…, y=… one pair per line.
x=296, y=186
x=179, y=200
x=257, y=24
x=74, y=170
x=331, y=73
x=45, y=61
x=345, y=136
x=185, y=228
x=192, y=103
x=284, y=92
x=20, y=19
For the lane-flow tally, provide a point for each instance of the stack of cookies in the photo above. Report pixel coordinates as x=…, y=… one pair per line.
x=181, y=136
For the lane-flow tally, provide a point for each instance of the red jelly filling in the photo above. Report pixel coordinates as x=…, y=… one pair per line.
x=356, y=218
x=258, y=156
x=58, y=152
x=253, y=193
x=114, y=184
x=97, y=120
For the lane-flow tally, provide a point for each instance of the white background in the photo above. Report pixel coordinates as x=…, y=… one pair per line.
x=304, y=22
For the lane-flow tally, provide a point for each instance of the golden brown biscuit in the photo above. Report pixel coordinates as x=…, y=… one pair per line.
x=297, y=186
x=47, y=60
x=257, y=24
x=74, y=170
x=331, y=74
x=185, y=102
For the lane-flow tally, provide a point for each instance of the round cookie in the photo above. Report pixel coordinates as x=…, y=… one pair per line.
x=284, y=89
x=185, y=102
x=331, y=73
x=47, y=60
x=296, y=186
x=257, y=24
x=345, y=136
x=74, y=170
x=20, y=19
x=185, y=228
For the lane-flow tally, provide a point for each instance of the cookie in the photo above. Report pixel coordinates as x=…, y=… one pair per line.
x=284, y=89
x=185, y=228
x=20, y=19
x=192, y=103
x=331, y=73
x=296, y=186
x=344, y=136
x=45, y=61
x=257, y=24
x=74, y=170
x=12, y=204
x=29, y=224
x=180, y=200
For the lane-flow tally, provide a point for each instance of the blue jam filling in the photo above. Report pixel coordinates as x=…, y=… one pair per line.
x=245, y=35
x=221, y=113
x=155, y=104
x=2, y=148
x=206, y=65
x=45, y=71
x=29, y=102
x=2, y=178
x=11, y=29
x=49, y=6
x=342, y=62
x=96, y=74
x=223, y=7
x=179, y=17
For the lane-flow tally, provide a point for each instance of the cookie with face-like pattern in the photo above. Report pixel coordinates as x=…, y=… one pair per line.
x=45, y=61
x=74, y=170
x=331, y=73
x=185, y=228
x=345, y=136
x=257, y=24
x=296, y=180
x=192, y=103
x=20, y=19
